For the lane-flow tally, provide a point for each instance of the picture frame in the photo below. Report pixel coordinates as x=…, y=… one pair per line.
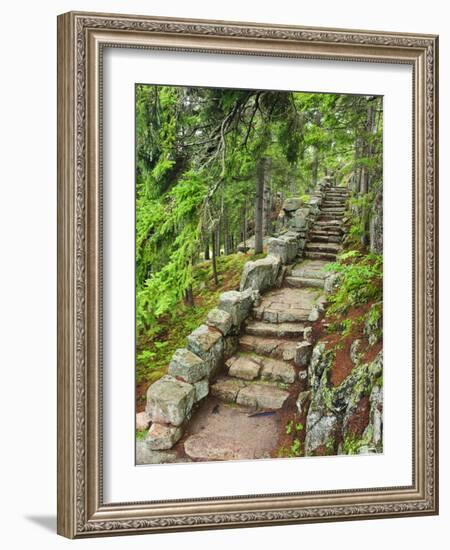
x=82, y=39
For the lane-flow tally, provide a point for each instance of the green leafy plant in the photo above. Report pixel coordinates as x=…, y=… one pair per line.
x=360, y=281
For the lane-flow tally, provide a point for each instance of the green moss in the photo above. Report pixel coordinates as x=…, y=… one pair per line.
x=141, y=434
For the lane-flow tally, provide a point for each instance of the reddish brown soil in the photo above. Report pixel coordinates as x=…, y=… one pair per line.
x=140, y=395
x=343, y=366
x=289, y=413
x=360, y=418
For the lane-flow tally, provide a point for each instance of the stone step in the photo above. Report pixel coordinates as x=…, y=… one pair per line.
x=323, y=247
x=310, y=269
x=320, y=256
x=275, y=330
x=332, y=210
x=328, y=224
x=302, y=282
x=288, y=315
x=252, y=366
x=325, y=237
x=255, y=395
x=278, y=348
x=330, y=215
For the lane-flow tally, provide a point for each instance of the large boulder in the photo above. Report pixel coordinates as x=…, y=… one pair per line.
x=169, y=401
x=187, y=366
x=294, y=203
x=299, y=220
x=207, y=343
x=260, y=274
x=237, y=304
x=284, y=247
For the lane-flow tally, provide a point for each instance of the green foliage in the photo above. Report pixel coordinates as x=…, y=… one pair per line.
x=141, y=435
x=156, y=344
x=352, y=444
x=360, y=281
x=292, y=451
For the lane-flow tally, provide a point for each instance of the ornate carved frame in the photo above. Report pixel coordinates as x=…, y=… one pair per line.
x=81, y=510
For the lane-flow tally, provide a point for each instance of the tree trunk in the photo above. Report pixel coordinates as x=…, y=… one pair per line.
x=226, y=232
x=259, y=200
x=207, y=256
x=266, y=201
x=214, y=255
x=244, y=225
x=189, y=297
x=315, y=166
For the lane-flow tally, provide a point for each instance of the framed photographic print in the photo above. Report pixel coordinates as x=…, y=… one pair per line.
x=247, y=282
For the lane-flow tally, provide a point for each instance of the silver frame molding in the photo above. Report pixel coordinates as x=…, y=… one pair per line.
x=81, y=38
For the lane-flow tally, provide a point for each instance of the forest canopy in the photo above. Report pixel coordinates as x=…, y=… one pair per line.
x=213, y=167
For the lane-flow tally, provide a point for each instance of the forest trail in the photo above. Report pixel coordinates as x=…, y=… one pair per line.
x=256, y=393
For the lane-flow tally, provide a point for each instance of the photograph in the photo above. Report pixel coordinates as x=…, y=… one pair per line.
x=258, y=274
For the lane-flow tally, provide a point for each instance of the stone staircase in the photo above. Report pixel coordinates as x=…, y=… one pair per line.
x=324, y=237
x=275, y=346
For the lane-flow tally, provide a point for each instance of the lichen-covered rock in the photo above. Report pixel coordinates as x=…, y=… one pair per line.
x=320, y=360
x=230, y=346
x=144, y=455
x=355, y=351
x=302, y=400
x=220, y=319
x=237, y=304
x=373, y=434
x=161, y=437
x=307, y=335
x=294, y=203
x=299, y=220
x=376, y=225
x=284, y=247
x=321, y=433
x=201, y=389
x=314, y=314
x=303, y=352
x=187, y=366
x=260, y=274
x=207, y=343
x=373, y=326
x=344, y=407
x=331, y=282
x=170, y=400
x=142, y=421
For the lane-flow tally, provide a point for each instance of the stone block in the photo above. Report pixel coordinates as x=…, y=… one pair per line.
x=187, y=365
x=142, y=421
x=237, y=304
x=169, y=400
x=207, y=343
x=220, y=319
x=262, y=396
x=201, y=389
x=303, y=352
x=243, y=367
x=162, y=436
x=260, y=274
